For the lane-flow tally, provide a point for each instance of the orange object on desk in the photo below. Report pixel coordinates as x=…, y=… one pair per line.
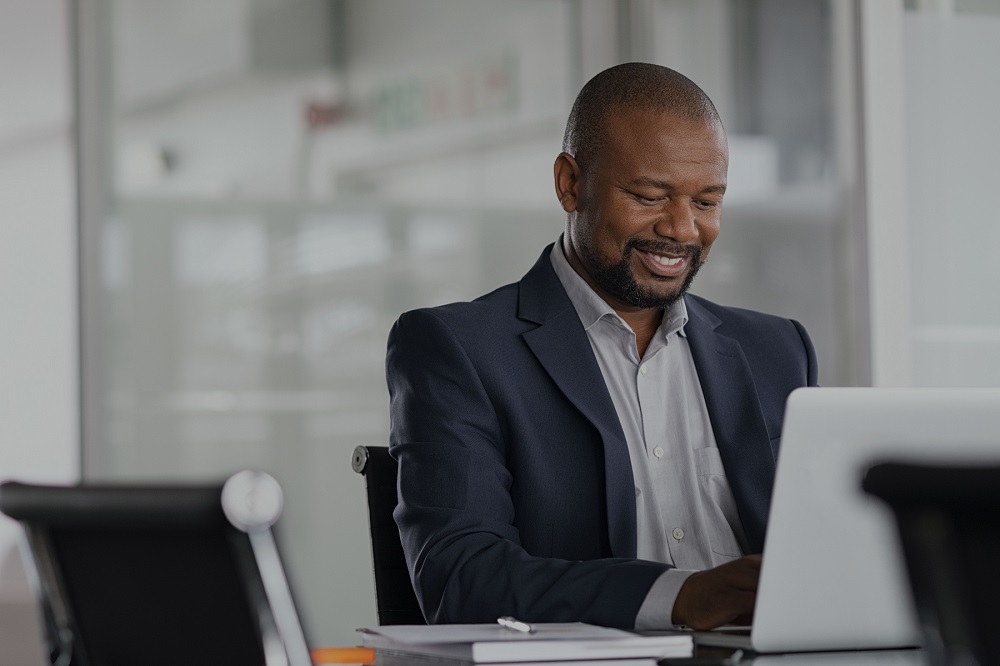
x=343, y=655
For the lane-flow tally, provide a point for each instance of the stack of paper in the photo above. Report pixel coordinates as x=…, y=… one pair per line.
x=559, y=642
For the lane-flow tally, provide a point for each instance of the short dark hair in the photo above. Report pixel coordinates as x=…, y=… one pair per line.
x=632, y=85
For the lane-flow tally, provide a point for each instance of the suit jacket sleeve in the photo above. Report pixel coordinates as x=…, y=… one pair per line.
x=456, y=515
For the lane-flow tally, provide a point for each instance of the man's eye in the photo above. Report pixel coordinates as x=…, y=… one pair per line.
x=647, y=200
x=706, y=204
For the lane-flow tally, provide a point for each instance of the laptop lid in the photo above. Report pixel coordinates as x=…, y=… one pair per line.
x=833, y=576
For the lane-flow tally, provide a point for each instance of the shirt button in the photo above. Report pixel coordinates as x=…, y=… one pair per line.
x=637, y=491
x=678, y=533
x=643, y=369
x=658, y=452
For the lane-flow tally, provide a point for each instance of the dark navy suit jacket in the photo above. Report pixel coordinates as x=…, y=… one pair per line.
x=516, y=494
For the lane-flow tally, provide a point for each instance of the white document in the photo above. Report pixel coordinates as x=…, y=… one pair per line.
x=491, y=643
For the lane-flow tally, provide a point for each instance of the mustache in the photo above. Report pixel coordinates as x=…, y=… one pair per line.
x=692, y=252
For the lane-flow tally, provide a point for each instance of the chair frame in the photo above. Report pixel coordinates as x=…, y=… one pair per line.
x=245, y=507
x=395, y=599
x=948, y=521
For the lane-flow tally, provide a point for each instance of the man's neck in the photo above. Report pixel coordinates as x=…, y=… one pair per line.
x=644, y=323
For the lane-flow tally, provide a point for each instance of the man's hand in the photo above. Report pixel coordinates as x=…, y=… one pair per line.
x=723, y=595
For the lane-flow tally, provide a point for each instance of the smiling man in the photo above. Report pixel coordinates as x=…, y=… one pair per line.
x=592, y=443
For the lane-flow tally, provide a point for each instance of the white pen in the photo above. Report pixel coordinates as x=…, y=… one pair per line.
x=515, y=625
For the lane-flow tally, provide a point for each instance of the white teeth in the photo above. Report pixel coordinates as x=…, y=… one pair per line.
x=667, y=261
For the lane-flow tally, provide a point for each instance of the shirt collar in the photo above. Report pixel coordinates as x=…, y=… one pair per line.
x=591, y=308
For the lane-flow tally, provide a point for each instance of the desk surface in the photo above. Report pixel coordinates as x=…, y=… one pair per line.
x=873, y=658
x=859, y=658
x=902, y=657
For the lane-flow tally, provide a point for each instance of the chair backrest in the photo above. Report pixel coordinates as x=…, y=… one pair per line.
x=160, y=575
x=949, y=525
x=394, y=597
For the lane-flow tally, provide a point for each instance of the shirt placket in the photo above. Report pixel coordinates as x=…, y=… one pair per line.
x=649, y=376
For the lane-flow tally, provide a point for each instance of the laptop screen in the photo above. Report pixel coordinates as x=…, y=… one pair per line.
x=833, y=576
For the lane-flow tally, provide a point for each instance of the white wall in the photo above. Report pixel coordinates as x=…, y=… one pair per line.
x=38, y=366
x=884, y=155
x=38, y=333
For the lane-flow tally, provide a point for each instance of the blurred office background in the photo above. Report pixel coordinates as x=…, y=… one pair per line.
x=199, y=275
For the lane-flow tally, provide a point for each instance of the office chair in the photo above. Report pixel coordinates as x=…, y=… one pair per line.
x=159, y=575
x=394, y=597
x=948, y=520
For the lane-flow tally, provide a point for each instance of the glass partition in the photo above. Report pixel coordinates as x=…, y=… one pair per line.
x=277, y=180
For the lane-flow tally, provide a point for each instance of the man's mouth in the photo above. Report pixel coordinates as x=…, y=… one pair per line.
x=666, y=261
x=663, y=265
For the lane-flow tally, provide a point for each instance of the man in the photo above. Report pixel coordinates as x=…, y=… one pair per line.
x=590, y=443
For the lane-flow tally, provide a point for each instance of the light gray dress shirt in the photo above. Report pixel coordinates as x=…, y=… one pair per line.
x=686, y=515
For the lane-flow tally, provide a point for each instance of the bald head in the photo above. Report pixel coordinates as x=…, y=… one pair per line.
x=631, y=86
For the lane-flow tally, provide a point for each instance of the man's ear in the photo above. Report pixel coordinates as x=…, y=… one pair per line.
x=568, y=181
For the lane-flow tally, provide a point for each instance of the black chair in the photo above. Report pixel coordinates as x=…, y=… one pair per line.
x=948, y=520
x=394, y=597
x=160, y=575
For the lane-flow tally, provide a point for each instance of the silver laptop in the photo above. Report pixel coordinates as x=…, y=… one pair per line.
x=833, y=576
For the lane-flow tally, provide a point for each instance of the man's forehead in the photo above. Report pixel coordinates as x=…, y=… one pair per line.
x=630, y=127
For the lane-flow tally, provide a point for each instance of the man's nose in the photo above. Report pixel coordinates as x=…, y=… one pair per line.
x=677, y=222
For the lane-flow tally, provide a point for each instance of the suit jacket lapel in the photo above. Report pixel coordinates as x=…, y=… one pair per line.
x=736, y=418
x=561, y=346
